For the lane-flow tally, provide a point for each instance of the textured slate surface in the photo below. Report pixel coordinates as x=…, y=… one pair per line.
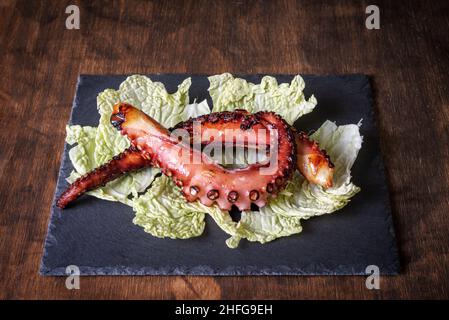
x=100, y=238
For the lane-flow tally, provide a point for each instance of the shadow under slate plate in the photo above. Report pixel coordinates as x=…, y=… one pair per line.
x=99, y=237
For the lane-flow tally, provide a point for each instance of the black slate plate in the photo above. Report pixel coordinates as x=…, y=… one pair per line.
x=99, y=236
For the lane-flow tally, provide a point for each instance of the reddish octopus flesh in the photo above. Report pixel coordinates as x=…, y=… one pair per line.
x=206, y=180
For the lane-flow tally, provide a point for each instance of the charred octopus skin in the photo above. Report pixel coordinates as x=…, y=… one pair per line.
x=313, y=163
x=204, y=182
x=129, y=160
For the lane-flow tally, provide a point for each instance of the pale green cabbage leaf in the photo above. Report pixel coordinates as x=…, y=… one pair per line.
x=288, y=100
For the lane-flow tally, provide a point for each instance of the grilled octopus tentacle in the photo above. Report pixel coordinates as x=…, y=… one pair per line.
x=312, y=162
x=205, y=180
x=129, y=160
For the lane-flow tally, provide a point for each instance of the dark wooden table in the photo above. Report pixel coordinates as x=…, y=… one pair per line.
x=408, y=58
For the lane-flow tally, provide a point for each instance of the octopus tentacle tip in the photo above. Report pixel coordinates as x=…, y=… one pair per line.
x=128, y=160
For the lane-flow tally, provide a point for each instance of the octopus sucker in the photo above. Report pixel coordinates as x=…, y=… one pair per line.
x=207, y=181
x=213, y=194
x=194, y=190
x=233, y=196
x=254, y=195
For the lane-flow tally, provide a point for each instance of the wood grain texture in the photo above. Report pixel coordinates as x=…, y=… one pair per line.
x=408, y=59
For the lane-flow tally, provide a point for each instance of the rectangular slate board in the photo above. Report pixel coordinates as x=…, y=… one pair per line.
x=99, y=237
